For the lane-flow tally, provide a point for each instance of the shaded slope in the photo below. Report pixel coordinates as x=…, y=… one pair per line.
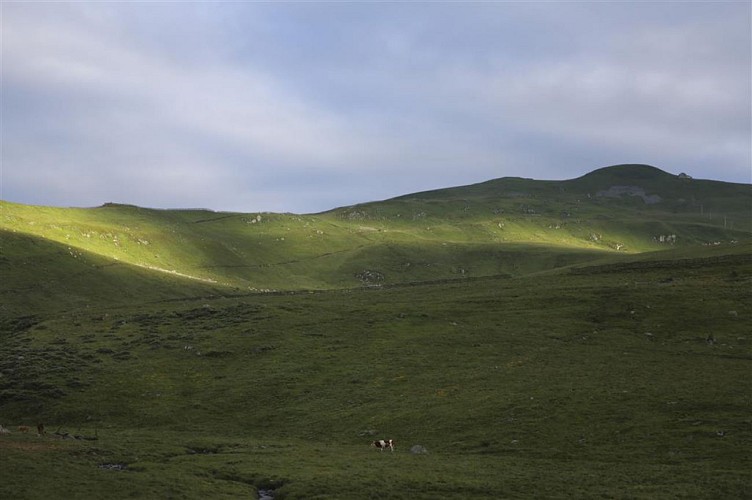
x=673, y=190
x=618, y=370
x=39, y=275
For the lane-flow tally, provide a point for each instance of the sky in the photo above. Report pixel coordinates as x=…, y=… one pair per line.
x=306, y=106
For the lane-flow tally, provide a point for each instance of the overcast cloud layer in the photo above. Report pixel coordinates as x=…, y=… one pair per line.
x=303, y=107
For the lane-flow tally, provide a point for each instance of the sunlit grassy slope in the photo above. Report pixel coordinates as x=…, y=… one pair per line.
x=508, y=337
x=507, y=226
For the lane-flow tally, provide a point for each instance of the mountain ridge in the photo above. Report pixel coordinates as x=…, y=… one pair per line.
x=497, y=227
x=600, y=178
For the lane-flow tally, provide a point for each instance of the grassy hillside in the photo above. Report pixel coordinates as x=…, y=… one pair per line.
x=495, y=327
x=40, y=275
x=625, y=379
x=628, y=207
x=502, y=227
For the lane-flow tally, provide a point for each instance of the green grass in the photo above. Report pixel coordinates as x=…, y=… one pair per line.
x=487, y=229
x=598, y=381
x=529, y=361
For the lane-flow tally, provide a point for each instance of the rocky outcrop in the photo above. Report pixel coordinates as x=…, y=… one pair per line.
x=619, y=191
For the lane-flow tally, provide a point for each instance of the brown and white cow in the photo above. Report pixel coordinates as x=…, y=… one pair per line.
x=383, y=444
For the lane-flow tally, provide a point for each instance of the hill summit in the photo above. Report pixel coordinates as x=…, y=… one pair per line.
x=629, y=173
x=680, y=188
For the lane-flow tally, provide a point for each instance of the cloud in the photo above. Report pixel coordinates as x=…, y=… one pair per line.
x=130, y=116
x=303, y=107
x=133, y=90
x=669, y=94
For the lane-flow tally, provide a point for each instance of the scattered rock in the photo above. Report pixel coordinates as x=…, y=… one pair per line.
x=355, y=215
x=369, y=277
x=418, y=449
x=665, y=238
x=619, y=191
x=115, y=467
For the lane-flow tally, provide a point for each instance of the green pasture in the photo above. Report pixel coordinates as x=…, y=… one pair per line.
x=626, y=379
x=501, y=227
x=516, y=338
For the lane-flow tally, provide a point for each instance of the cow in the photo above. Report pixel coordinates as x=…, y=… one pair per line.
x=383, y=444
x=23, y=428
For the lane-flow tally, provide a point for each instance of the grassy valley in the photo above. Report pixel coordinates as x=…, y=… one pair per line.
x=495, y=329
